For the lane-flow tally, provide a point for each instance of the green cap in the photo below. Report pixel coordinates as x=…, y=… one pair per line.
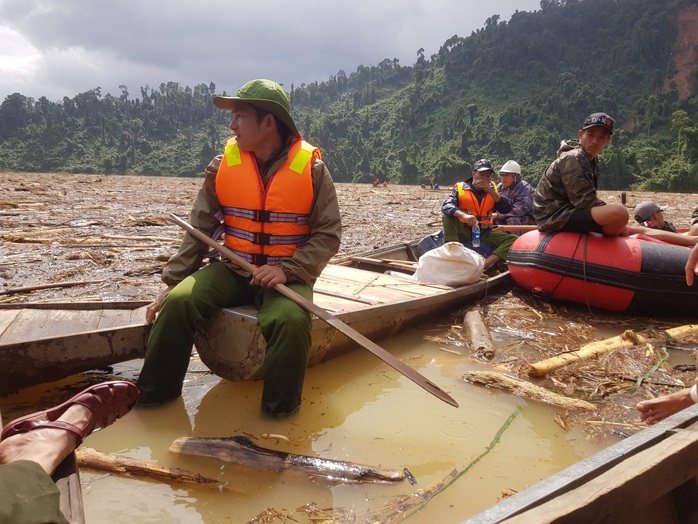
x=267, y=95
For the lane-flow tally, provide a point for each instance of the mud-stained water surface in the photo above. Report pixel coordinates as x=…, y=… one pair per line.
x=91, y=237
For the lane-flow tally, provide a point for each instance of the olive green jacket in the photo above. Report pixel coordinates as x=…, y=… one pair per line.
x=569, y=183
x=307, y=261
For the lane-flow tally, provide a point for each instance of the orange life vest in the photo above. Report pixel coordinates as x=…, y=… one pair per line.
x=266, y=225
x=467, y=201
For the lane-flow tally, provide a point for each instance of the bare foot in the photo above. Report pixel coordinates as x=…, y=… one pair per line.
x=657, y=409
x=46, y=446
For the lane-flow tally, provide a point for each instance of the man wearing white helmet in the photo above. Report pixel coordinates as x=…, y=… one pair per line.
x=520, y=194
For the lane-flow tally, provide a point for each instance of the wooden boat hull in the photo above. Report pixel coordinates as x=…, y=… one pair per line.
x=67, y=480
x=46, y=342
x=627, y=274
x=648, y=477
x=241, y=356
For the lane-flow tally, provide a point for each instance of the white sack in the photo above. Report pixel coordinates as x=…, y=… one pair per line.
x=452, y=264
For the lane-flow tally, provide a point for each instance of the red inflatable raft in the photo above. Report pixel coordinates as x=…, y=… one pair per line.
x=629, y=274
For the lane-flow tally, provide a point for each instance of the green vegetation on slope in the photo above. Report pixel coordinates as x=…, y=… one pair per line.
x=510, y=90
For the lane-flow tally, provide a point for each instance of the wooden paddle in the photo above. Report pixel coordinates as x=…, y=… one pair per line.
x=333, y=321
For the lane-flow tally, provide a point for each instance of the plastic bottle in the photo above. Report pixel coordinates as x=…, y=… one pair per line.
x=476, y=235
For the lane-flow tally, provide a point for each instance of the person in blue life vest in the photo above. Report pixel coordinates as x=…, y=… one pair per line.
x=274, y=199
x=473, y=202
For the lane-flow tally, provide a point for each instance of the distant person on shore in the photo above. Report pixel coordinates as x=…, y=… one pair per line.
x=275, y=200
x=566, y=198
x=657, y=409
x=520, y=194
x=33, y=446
x=473, y=202
x=649, y=214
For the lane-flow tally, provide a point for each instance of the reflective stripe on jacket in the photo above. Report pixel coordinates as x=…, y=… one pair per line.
x=467, y=201
x=265, y=225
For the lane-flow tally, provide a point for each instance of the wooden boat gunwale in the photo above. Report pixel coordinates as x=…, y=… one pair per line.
x=586, y=470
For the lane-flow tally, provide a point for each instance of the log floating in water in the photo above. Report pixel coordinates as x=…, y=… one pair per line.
x=89, y=458
x=526, y=390
x=480, y=340
x=627, y=339
x=241, y=450
x=48, y=286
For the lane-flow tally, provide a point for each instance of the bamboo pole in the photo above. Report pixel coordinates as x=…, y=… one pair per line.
x=600, y=347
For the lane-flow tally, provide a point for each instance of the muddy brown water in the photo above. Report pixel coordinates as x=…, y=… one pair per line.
x=109, y=234
x=354, y=409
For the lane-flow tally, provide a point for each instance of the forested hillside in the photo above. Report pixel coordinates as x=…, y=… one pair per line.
x=510, y=90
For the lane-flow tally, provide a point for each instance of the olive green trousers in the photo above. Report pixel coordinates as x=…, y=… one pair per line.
x=499, y=241
x=285, y=326
x=28, y=495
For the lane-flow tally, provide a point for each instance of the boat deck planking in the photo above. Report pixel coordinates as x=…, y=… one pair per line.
x=386, y=305
x=42, y=344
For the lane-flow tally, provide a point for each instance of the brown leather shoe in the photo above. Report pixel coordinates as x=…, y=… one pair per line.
x=107, y=401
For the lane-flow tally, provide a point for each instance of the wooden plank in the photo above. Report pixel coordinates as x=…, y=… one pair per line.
x=112, y=318
x=6, y=319
x=627, y=487
x=376, y=287
x=67, y=480
x=31, y=324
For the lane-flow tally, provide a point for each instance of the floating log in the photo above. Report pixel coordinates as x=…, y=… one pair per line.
x=49, y=286
x=479, y=338
x=241, y=450
x=599, y=347
x=89, y=458
x=524, y=389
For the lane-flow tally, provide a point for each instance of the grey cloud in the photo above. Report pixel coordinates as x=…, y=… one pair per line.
x=88, y=44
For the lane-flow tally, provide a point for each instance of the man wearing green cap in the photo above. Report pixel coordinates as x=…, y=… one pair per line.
x=274, y=199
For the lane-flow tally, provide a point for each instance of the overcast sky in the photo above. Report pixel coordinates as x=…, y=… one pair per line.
x=58, y=48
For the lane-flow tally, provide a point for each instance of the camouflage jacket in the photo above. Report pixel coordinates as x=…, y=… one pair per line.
x=569, y=183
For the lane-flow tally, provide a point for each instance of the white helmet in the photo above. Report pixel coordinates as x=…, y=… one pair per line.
x=511, y=167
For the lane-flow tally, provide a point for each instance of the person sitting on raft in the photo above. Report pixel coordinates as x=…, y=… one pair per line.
x=566, y=198
x=649, y=214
